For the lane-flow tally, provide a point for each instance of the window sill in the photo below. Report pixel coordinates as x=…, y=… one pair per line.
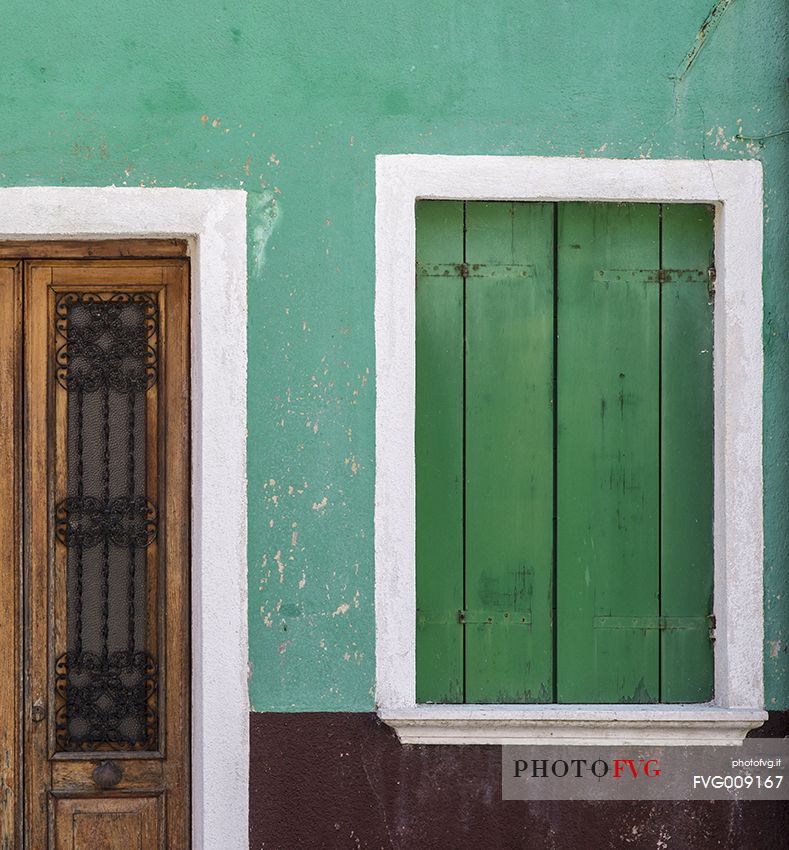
x=653, y=725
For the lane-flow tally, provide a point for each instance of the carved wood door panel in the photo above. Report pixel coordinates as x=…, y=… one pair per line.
x=104, y=438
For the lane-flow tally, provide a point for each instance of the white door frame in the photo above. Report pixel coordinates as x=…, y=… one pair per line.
x=214, y=223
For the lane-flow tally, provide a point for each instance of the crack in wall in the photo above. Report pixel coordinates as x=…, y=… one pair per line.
x=702, y=36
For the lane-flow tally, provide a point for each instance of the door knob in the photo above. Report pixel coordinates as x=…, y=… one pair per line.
x=107, y=775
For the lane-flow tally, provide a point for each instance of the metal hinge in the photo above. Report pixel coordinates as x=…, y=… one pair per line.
x=489, y=618
x=507, y=271
x=485, y=618
x=711, y=276
x=660, y=623
x=659, y=276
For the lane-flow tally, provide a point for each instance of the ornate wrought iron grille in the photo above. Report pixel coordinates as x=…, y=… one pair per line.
x=106, y=681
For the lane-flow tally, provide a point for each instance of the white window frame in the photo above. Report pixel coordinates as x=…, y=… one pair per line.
x=735, y=188
x=214, y=223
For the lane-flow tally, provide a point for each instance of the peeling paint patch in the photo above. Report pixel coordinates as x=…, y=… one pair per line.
x=720, y=139
x=342, y=609
x=280, y=566
x=264, y=215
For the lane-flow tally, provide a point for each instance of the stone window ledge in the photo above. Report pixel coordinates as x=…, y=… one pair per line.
x=652, y=725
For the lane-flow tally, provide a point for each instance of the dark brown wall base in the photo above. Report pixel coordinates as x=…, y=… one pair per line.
x=337, y=781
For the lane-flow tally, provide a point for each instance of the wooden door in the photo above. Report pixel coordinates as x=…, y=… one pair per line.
x=101, y=678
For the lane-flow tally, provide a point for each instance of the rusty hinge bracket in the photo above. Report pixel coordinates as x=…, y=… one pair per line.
x=441, y=270
x=490, y=618
x=658, y=276
x=483, y=270
x=661, y=623
x=485, y=618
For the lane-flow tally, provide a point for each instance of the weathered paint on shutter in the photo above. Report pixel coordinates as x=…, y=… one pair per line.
x=633, y=460
x=509, y=453
x=439, y=451
x=687, y=453
x=607, y=453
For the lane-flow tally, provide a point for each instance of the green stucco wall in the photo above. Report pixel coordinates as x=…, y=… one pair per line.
x=291, y=101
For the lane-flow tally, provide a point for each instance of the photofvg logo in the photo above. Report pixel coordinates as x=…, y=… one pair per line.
x=578, y=768
x=752, y=771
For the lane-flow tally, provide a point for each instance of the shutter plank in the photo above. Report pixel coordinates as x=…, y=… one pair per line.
x=509, y=451
x=608, y=452
x=687, y=453
x=439, y=452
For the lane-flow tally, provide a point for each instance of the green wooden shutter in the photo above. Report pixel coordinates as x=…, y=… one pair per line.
x=509, y=453
x=439, y=451
x=607, y=453
x=587, y=553
x=687, y=454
